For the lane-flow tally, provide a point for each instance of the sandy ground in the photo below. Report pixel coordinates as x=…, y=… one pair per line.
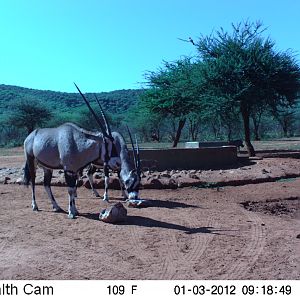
x=233, y=232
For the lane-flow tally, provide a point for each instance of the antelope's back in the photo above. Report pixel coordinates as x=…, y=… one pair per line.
x=65, y=146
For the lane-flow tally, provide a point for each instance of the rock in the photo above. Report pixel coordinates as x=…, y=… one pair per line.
x=114, y=214
x=165, y=175
x=176, y=176
x=156, y=184
x=172, y=172
x=152, y=183
x=173, y=184
x=20, y=180
x=6, y=179
x=194, y=176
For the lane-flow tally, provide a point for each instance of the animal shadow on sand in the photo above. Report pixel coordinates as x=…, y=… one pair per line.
x=158, y=203
x=155, y=203
x=170, y=204
x=151, y=223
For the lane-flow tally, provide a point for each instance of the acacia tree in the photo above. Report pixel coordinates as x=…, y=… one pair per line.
x=172, y=93
x=245, y=69
x=29, y=113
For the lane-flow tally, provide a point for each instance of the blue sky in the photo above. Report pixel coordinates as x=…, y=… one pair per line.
x=106, y=45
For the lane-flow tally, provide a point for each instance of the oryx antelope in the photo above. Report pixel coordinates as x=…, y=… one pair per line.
x=129, y=172
x=66, y=147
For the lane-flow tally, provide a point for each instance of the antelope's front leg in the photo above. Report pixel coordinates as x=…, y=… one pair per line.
x=124, y=195
x=71, y=178
x=106, y=182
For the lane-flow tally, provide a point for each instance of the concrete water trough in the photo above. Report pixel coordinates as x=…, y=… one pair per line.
x=188, y=158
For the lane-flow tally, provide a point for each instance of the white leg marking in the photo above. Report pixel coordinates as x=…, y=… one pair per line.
x=105, y=196
x=72, y=207
x=33, y=202
x=133, y=195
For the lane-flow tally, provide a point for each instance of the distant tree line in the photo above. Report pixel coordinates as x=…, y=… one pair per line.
x=238, y=86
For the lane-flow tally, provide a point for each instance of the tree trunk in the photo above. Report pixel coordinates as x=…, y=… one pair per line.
x=256, y=128
x=178, y=132
x=193, y=131
x=215, y=130
x=246, y=120
x=229, y=133
x=285, y=129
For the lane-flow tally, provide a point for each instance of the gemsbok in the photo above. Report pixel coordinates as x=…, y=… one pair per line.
x=66, y=147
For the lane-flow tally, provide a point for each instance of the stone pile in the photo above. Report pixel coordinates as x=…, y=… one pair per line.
x=267, y=169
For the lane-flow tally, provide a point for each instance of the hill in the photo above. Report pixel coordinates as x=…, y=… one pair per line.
x=114, y=102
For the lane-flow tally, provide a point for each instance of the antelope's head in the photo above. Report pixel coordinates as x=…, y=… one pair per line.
x=132, y=179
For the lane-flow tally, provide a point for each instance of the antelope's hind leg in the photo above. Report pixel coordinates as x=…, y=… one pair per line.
x=47, y=185
x=90, y=173
x=30, y=173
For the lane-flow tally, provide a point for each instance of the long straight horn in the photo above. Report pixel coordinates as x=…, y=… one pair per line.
x=138, y=161
x=108, y=130
x=92, y=111
x=133, y=150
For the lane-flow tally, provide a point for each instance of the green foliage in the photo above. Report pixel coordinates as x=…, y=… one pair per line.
x=144, y=122
x=172, y=90
x=114, y=102
x=65, y=107
x=243, y=71
x=28, y=114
